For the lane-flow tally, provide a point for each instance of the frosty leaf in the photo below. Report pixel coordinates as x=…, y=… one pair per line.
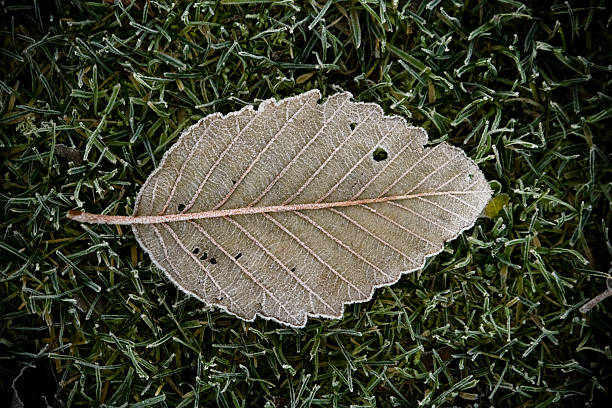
x=298, y=208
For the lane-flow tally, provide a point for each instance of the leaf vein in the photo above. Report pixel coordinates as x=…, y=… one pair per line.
x=370, y=233
x=397, y=224
x=258, y=157
x=295, y=158
x=331, y=190
x=398, y=179
x=342, y=244
x=317, y=257
x=242, y=268
x=410, y=210
x=383, y=169
x=329, y=158
x=214, y=166
x=188, y=252
x=438, y=168
x=182, y=169
x=276, y=260
x=443, y=209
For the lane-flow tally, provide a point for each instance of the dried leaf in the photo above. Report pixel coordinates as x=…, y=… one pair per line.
x=298, y=208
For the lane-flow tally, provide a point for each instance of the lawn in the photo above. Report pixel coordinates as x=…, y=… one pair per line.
x=93, y=93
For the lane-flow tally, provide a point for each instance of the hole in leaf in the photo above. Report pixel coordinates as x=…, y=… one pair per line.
x=213, y=261
x=196, y=250
x=470, y=176
x=233, y=181
x=238, y=255
x=181, y=207
x=379, y=154
x=204, y=256
x=353, y=125
x=292, y=269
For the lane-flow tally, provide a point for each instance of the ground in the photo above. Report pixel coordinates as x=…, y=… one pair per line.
x=93, y=93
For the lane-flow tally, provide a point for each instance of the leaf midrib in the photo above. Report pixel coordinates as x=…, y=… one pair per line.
x=157, y=219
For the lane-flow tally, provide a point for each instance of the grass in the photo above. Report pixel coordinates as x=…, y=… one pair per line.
x=93, y=93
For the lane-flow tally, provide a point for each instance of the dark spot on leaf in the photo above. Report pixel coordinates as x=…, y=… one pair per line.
x=219, y=298
x=379, y=154
x=204, y=256
x=196, y=250
x=353, y=125
x=213, y=261
x=181, y=207
x=238, y=255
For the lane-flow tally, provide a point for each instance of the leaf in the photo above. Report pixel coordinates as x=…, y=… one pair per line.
x=495, y=205
x=298, y=208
